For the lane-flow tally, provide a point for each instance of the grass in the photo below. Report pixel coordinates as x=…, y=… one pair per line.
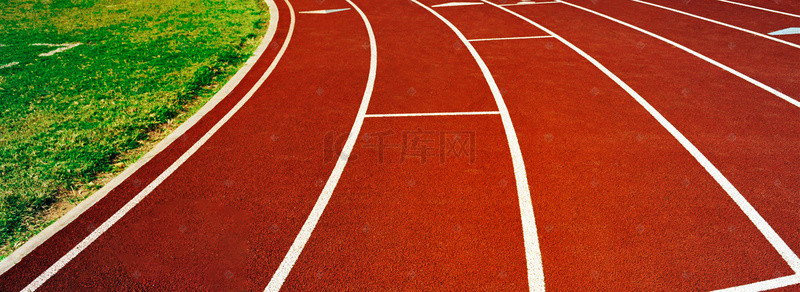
x=69, y=118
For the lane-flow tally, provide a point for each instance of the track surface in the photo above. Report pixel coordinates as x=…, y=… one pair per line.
x=383, y=151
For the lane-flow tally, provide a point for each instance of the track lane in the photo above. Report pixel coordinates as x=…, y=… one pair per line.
x=431, y=228
x=753, y=19
x=734, y=19
x=437, y=225
x=749, y=136
x=405, y=59
x=39, y=259
x=208, y=226
x=768, y=62
x=565, y=131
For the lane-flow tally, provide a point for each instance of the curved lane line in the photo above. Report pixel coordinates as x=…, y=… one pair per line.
x=533, y=254
x=774, y=239
x=73, y=213
x=696, y=54
x=721, y=23
x=319, y=207
x=64, y=260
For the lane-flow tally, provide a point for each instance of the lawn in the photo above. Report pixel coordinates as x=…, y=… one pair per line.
x=69, y=116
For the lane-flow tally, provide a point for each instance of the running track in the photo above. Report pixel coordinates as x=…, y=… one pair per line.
x=484, y=145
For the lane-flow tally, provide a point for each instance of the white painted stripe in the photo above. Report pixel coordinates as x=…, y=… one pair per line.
x=511, y=38
x=760, y=8
x=328, y=11
x=751, y=213
x=533, y=255
x=722, y=23
x=84, y=205
x=454, y=4
x=53, y=269
x=319, y=207
x=529, y=3
x=63, y=47
x=12, y=64
x=696, y=54
x=431, y=114
x=765, y=285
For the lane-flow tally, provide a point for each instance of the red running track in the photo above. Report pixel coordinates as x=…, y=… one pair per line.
x=428, y=196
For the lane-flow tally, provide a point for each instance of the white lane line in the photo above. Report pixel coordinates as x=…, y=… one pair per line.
x=64, y=260
x=722, y=23
x=529, y=3
x=63, y=47
x=696, y=54
x=454, y=4
x=760, y=8
x=73, y=214
x=765, y=285
x=327, y=11
x=511, y=38
x=311, y=222
x=12, y=64
x=774, y=239
x=533, y=254
x=431, y=114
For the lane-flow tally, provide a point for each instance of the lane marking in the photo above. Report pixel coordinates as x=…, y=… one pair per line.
x=327, y=11
x=696, y=54
x=723, y=24
x=319, y=207
x=786, y=31
x=760, y=8
x=12, y=64
x=765, y=285
x=64, y=260
x=533, y=254
x=84, y=205
x=780, y=246
x=454, y=4
x=511, y=38
x=529, y=3
x=431, y=114
x=63, y=47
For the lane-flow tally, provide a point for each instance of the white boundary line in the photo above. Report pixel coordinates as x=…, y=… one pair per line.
x=696, y=54
x=64, y=260
x=774, y=239
x=722, y=23
x=533, y=253
x=431, y=114
x=760, y=8
x=766, y=285
x=511, y=38
x=63, y=47
x=319, y=207
x=326, y=11
x=529, y=3
x=70, y=216
x=456, y=4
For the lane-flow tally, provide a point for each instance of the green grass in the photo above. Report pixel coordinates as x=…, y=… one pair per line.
x=67, y=118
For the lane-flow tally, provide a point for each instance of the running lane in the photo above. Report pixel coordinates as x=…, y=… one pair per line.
x=748, y=18
x=50, y=250
x=226, y=217
x=620, y=204
x=749, y=134
x=769, y=62
x=427, y=202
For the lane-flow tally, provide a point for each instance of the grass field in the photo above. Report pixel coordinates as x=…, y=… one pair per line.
x=71, y=116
